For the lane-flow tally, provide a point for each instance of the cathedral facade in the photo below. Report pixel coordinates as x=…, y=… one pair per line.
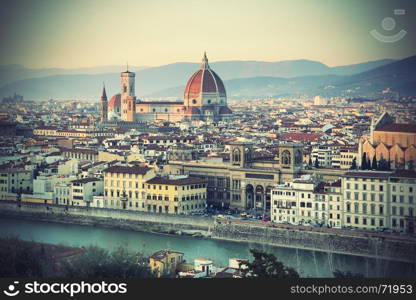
x=205, y=99
x=394, y=142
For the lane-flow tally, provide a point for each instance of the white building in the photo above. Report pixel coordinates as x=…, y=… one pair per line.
x=324, y=154
x=366, y=200
x=83, y=190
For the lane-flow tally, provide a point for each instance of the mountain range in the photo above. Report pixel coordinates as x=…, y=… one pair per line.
x=241, y=78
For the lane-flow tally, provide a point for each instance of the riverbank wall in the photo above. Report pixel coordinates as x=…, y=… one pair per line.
x=379, y=247
x=112, y=218
x=341, y=242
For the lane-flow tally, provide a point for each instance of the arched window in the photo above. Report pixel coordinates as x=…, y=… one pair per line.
x=247, y=154
x=286, y=157
x=193, y=101
x=236, y=155
x=298, y=157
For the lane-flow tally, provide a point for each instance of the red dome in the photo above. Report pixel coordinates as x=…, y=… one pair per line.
x=115, y=101
x=204, y=80
x=225, y=111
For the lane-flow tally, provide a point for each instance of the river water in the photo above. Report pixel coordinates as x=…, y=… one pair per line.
x=307, y=263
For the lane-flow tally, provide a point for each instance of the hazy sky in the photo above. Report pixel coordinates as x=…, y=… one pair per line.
x=82, y=33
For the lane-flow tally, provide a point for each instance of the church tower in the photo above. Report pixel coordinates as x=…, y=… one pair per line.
x=128, y=99
x=104, y=106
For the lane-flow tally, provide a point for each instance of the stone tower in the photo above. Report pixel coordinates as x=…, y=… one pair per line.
x=104, y=106
x=128, y=99
x=291, y=157
x=241, y=154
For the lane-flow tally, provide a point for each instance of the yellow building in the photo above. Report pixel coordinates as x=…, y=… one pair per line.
x=175, y=194
x=165, y=262
x=124, y=187
x=366, y=199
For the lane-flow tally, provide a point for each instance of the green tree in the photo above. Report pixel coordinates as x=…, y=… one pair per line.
x=266, y=265
x=96, y=262
x=364, y=161
x=316, y=163
x=339, y=274
x=354, y=164
x=384, y=165
x=23, y=259
x=374, y=165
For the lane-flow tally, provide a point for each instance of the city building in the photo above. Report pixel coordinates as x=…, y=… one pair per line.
x=367, y=200
x=124, y=187
x=165, y=262
x=204, y=99
x=15, y=181
x=83, y=190
x=243, y=182
x=390, y=141
x=176, y=194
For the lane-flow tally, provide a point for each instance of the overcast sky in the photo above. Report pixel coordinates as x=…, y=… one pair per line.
x=82, y=33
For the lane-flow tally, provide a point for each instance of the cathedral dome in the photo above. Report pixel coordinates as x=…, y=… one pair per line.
x=204, y=81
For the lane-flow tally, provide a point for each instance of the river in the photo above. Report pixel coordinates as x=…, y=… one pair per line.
x=307, y=263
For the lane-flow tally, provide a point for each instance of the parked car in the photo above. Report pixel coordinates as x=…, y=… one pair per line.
x=266, y=219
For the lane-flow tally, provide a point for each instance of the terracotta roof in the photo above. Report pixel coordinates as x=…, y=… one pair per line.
x=368, y=174
x=301, y=136
x=162, y=254
x=85, y=180
x=179, y=181
x=404, y=174
x=399, y=127
x=162, y=102
x=115, y=101
x=204, y=80
x=127, y=170
x=84, y=151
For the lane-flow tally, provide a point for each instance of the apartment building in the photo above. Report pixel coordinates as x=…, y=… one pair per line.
x=344, y=157
x=324, y=155
x=293, y=202
x=369, y=200
x=165, y=262
x=15, y=181
x=124, y=187
x=366, y=199
x=402, y=202
x=83, y=190
x=176, y=194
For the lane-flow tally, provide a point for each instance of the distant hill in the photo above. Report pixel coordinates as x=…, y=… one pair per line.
x=397, y=77
x=263, y=86
x=242, y=78
x=12, y=73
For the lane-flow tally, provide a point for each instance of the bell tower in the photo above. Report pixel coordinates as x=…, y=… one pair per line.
x=104, y=107
x=128, y=99
x=241, y=154
x=291, y=157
